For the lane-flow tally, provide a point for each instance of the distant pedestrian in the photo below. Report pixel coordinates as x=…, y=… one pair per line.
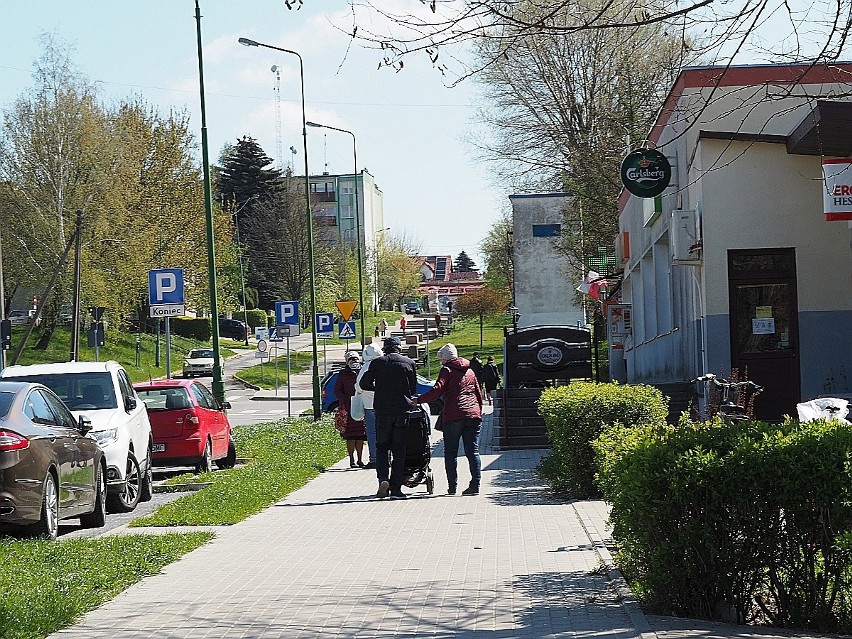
x=394, y=381
x=402, y=324
x=461, y=416
x=376, y=332
x=344, y=389
x=371, y=352
x=476, y=365
x=383, y=326
x=490, y=377
x=438, y=319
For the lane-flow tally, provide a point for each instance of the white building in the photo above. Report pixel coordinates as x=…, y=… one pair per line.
x=736, y=266
x=544, y=292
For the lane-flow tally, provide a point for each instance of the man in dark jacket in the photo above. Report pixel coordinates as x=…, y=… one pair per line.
x=394, y=381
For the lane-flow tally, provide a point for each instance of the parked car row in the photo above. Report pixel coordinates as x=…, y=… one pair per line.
x=77, y=439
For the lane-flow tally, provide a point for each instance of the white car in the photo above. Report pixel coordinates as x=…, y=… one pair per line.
x=102, y=392
x=198, y=361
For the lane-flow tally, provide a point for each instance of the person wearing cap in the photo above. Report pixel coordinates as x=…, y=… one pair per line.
x=371, y=352
x=393, y=379
x=490, y=377
x=461, y=417
x=344, y=389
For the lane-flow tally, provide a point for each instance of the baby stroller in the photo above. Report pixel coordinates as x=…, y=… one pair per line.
x=418, y=451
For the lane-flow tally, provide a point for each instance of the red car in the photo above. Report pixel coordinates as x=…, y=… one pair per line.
x=189, y=426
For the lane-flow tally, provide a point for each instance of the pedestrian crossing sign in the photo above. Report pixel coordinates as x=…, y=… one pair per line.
x=346, y=330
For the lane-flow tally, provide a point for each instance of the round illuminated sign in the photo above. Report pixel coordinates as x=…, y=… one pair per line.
x=549, y=356
x=646, y=172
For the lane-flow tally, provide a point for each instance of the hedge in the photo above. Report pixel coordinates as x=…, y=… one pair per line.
x=748, y=522
x=576, y=414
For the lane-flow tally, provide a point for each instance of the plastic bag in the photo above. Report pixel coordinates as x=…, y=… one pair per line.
x=823, y=408
x=356, y=407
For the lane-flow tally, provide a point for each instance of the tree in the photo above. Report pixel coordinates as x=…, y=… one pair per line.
x=729, y=33
x=398, y=270
x=562, y=112
x=463, y=263
x=496, y=247
x=480, y=303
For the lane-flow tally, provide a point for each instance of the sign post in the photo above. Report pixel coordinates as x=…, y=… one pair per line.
x=286, y=324
x=324, y=323
x=165, y=298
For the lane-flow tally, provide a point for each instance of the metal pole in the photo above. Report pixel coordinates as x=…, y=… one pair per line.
x=168, y=350
x=75, y=328
x=289, y=392
x=218, y=385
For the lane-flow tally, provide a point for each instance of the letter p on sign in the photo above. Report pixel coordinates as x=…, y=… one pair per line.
x=165, y=286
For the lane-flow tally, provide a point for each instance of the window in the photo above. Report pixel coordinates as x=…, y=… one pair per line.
x=546, y=230
x=347, y=188
x=61, y=413
x=203, y=397
x=36, y=409
x=347, y=212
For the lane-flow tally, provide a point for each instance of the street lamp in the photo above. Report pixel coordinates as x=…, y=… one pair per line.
x=240, y=257
x=378, y=298
x=218, y=385
x=357, y=226
x=311, y=278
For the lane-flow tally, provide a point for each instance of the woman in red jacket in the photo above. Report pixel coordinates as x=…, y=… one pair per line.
x=344, y=388
x=461, y=417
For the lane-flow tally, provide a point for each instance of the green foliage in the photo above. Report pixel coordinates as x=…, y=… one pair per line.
x=256, y=317
x=265, y=375
x=197, y=328
x=747, y=522
x=45, y=586
x=284, y=456
x=576, y=414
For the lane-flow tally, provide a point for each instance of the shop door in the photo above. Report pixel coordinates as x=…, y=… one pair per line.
x=764, y=327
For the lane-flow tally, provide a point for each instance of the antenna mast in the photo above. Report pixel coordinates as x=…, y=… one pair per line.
x=279, y=153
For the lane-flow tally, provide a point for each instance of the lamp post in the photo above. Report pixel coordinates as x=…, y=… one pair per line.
x=357, y=227
x=240, y=257
x=218, y=385
x=316, y=381
x=378, y=298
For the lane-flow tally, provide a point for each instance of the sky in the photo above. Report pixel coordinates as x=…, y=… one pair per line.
x=410, y=128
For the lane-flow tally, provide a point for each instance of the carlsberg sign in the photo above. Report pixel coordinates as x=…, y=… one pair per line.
x=645, y=172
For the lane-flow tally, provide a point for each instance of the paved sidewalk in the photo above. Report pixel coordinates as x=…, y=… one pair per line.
x=331, y=560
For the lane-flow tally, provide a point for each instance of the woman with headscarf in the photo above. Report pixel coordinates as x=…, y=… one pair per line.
x=371, y=352
x=344, y=389
x=461, y=418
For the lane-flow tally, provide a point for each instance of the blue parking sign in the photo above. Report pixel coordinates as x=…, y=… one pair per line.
x=287, y=313
x=325, y=323
x=165, y=286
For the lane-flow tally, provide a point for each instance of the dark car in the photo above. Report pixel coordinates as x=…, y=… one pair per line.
x=329, y=400
x=235, y=329
x=412, y=308
x=50, y=468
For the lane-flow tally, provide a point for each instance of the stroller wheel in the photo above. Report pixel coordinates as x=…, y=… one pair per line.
x=430, y=483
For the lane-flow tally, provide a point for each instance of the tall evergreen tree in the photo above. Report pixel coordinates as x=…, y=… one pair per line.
x=463, y=263
x=244, y=180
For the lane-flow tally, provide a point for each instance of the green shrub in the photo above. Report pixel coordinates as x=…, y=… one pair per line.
x=256, y=317
x=192, y=328
x=576, y=414
x=747, y=522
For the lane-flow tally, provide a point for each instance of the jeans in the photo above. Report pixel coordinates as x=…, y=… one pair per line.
x=370, y=425
x=391, y=437
x=466, y=430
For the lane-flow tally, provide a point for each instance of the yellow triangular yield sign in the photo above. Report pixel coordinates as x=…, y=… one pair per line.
x=346, y=309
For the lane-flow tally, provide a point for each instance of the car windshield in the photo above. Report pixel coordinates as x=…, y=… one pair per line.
x=5, y=402
x=164, y=398
x=200, y=353
x=79, y=391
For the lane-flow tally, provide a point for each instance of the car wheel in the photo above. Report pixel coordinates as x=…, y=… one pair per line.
x=126, y=500
x=332, y=407
x=229, y=460
x=205, y=465
x=48, y=525
x=97, y=518
x=186, y=376
x=146, y=492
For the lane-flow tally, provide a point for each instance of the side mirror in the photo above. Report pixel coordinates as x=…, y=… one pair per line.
x=225, y=405
x=84, y=424
x=130, y=404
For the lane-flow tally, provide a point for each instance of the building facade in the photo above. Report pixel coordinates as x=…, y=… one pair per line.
x=735, y=266
x=543, y=291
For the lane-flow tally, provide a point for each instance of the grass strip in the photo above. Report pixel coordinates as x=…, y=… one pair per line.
x=46, y=586
x=284, y=455
x=264, y=375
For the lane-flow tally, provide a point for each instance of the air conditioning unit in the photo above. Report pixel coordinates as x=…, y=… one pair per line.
x=685, y=238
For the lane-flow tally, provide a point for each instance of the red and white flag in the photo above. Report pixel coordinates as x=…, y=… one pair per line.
x=592, y=284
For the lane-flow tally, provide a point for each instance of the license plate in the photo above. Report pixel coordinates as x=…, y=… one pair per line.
x=159, y=448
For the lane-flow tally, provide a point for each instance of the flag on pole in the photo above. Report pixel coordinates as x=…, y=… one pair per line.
x=592, y=284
